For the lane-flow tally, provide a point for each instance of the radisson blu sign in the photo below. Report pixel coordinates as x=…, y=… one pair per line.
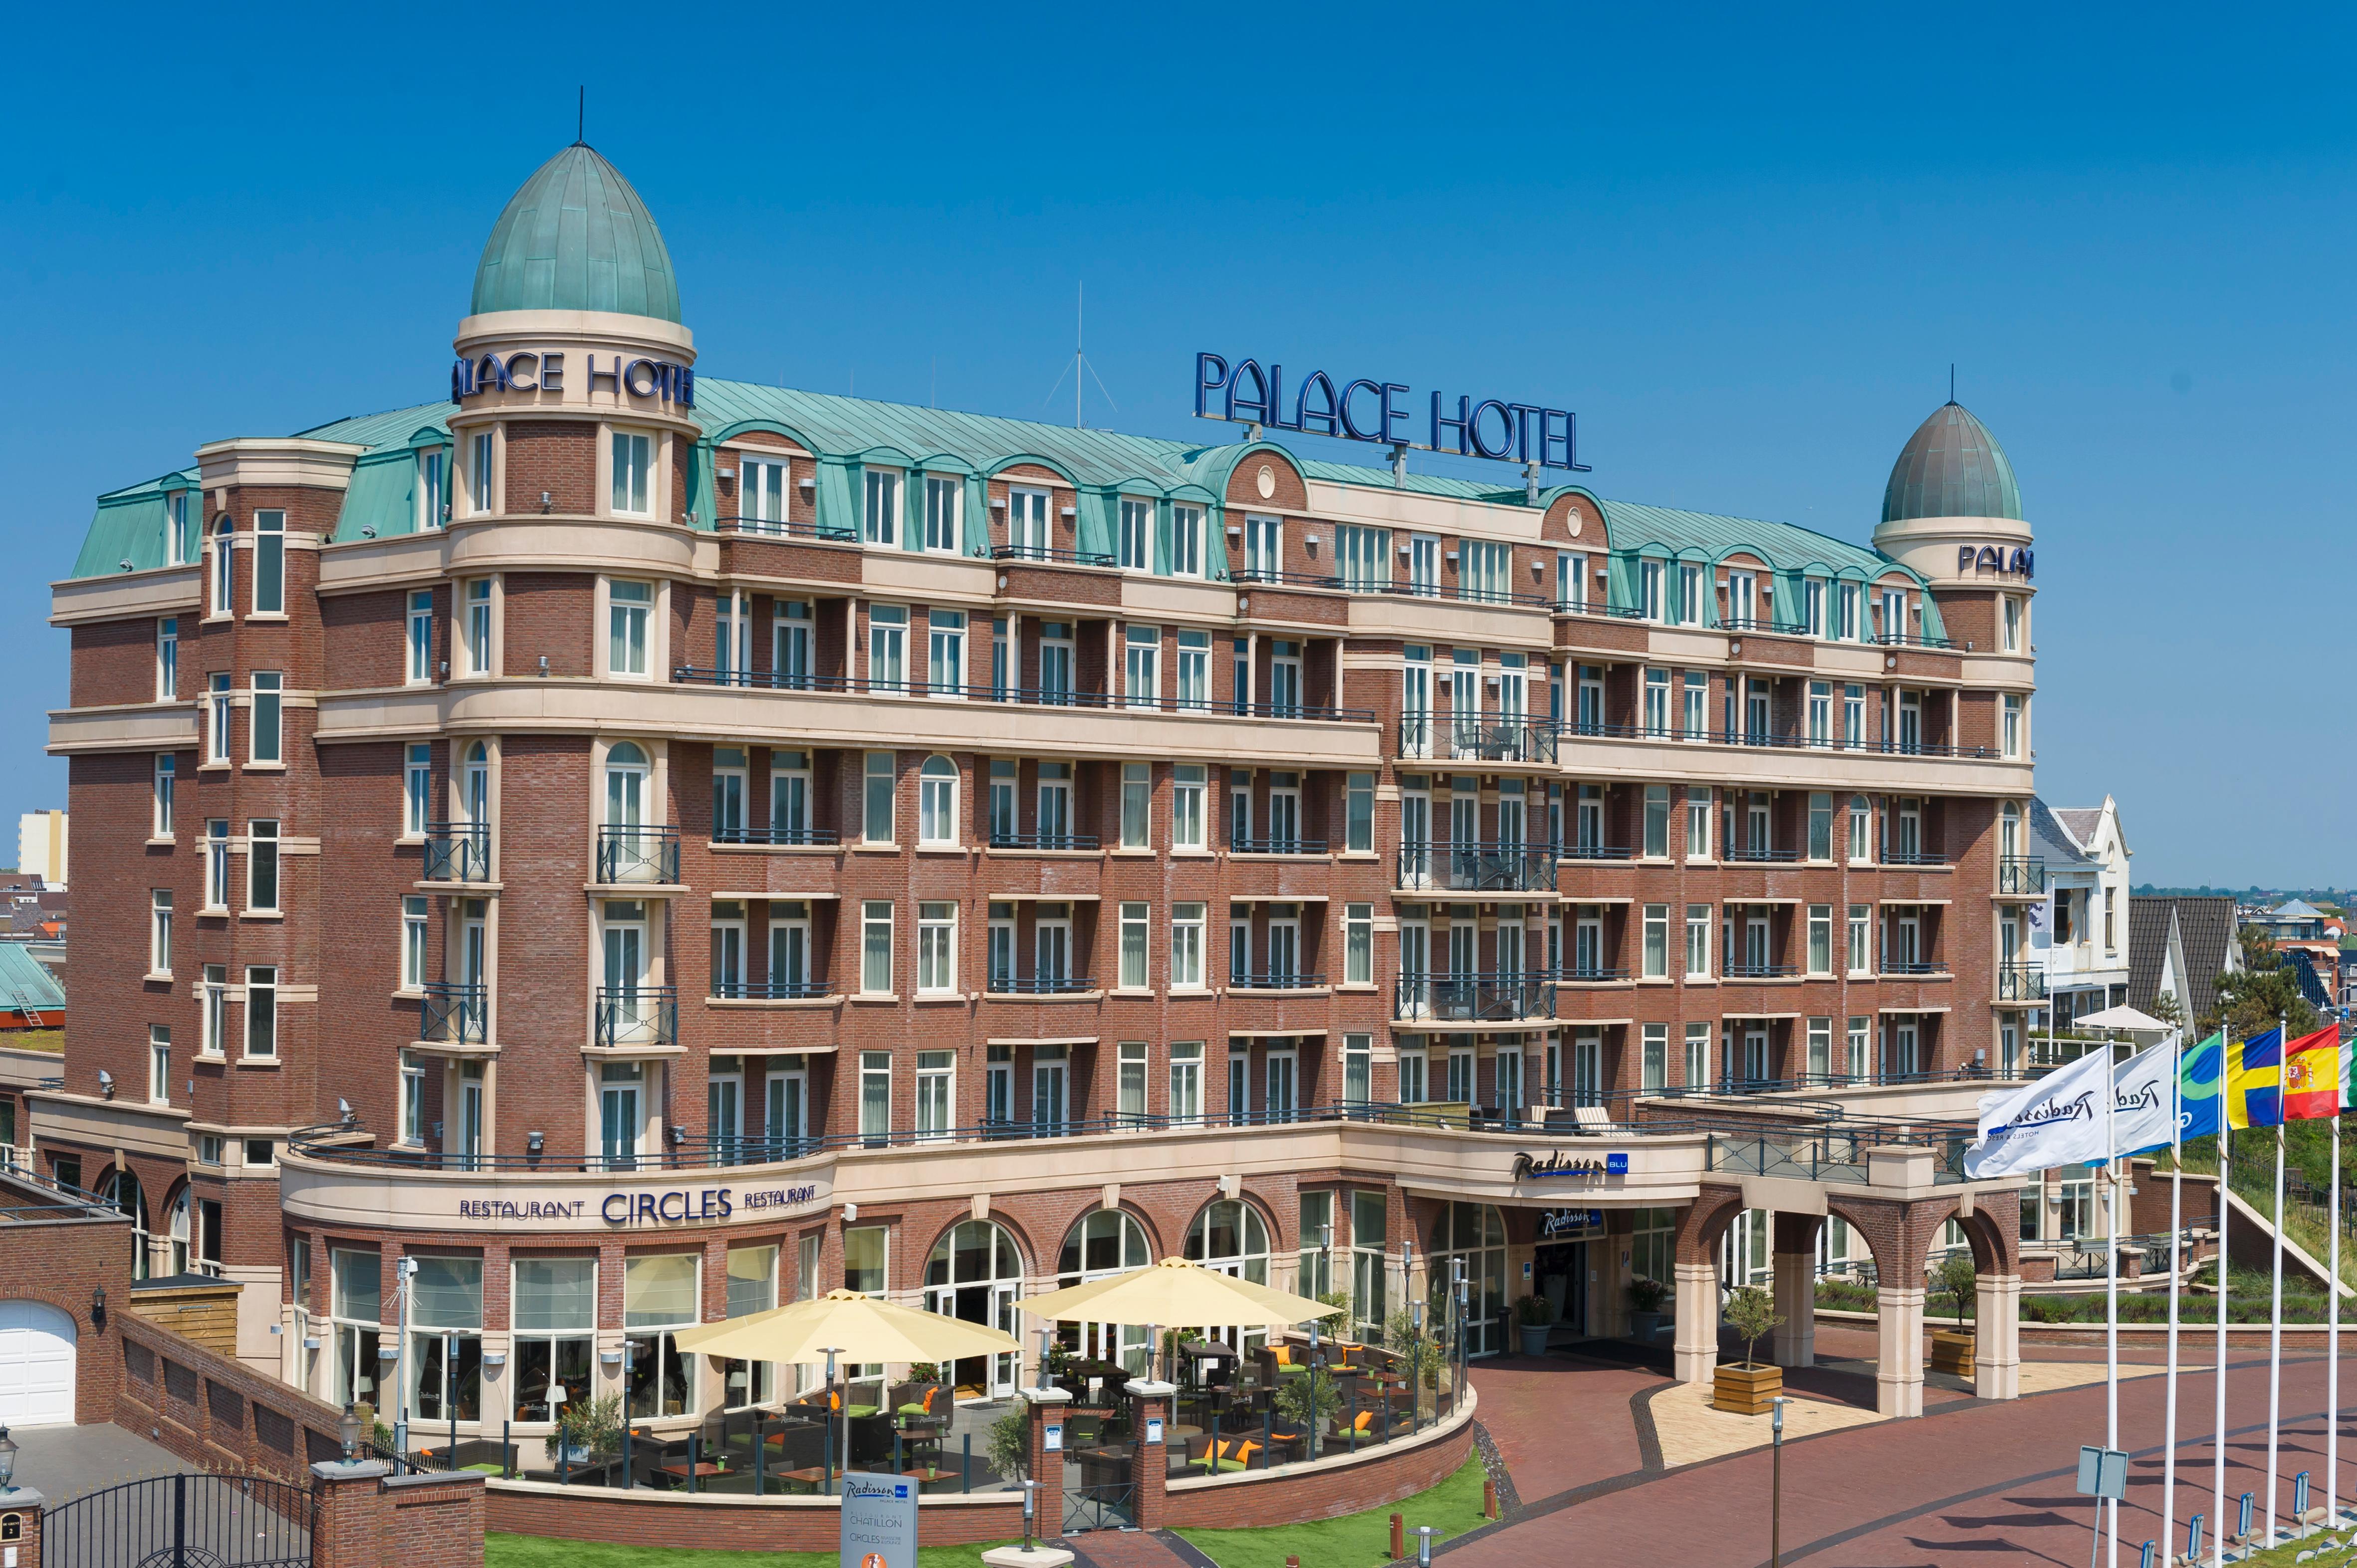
x=1362, y=409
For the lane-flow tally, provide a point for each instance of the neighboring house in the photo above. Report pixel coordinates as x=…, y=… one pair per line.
x=2299, y=928
x=2179, y=948
x=30, y=996
x=2081, y=934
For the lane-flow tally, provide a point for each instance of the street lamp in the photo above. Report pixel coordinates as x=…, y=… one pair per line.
x=1424, y=1534
x=1029, y=1487
x=8, y=1462
x=352, y=1433
x=1776, y=1488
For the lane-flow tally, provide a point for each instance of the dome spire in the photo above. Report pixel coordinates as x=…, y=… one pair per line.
x=575, y=237
x=1952, y=466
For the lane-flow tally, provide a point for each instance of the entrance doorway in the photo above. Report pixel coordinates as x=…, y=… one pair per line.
x=974, y=1275
x=1560, y=1265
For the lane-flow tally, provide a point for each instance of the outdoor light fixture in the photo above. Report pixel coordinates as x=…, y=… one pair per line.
x=727, y=473
x=352, y=1433
x=809, y=482
x=368, y=532
x=98, y=1308
x=532, y=1143
x=105, y=1083
x=388, y=1352
x=344, y=1111
x=8, y=1462
x=610, y=1358
x=1424, y=1534
x=544, y=500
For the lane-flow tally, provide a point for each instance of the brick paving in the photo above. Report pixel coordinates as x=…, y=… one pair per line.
x=1969, y=1484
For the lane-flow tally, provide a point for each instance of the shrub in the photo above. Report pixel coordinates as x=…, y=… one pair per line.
x=593, y=1425
x=1647, y=1294
x=1956, y=1278
x=1751, y=1313
x=1533, y=1312
x=1009, y=1447
x=1302, y=1401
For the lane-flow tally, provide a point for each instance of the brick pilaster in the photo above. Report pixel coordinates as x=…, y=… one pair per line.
x=346, y=1524
x=1149, y=1468
x=1048, y=1464
x=20, y=1528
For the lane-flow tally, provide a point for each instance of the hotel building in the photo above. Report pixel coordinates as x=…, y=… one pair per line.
x=644, y=846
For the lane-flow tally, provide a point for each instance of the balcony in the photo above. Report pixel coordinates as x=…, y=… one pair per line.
x=768, y=990
x=2020, y=983
x=779, y=528
x=1043, y=841
x=454, y=1012
x=1039, y=984
x=1761, y=971
x=1593, y=852
x=1278, y=847
x=1576, y=973
x=458, y=852
x=1914, y=857
x=1476, y=866
x=803, y=837
x=1276, y=579
x=1910, y=639
x=1277, y=980
x=2023, y=875
x=1762, y=856
x=1765, y=623
x=646, y=857
x=1474, y=998
x=1050, y=553
x=1914, y=967
x=1433, y=738
x=1039, y=696
x=637, y=1015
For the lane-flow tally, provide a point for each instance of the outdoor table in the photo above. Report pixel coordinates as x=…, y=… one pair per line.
x=703, y=1468
x=815, y=1478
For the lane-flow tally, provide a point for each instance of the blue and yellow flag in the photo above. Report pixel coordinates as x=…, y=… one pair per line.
x=2198, y=1078
x=2254, y=1081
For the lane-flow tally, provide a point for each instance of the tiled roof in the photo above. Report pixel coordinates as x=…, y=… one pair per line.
x=2205, y=926
x=2079, y=822
x=2047, y=837
x=2149, y=923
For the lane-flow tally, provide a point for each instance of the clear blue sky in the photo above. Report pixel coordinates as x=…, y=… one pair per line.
x=1744, y=246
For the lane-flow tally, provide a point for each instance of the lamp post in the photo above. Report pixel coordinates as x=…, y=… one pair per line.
x=834, y=1397
x=352, y=1433
x=1424, y=1534
x=1029, y=1489
x=1776, y=1488
x=404, y=1273
x=8, y=1462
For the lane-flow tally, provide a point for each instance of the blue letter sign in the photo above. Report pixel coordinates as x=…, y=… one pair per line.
x=1374, y=411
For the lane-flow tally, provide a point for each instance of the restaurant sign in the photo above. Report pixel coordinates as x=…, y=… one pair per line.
x=1558, y=1164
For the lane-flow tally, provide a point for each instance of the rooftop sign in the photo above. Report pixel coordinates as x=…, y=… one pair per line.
x=1379, y=412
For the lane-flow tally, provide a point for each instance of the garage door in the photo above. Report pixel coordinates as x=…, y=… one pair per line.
x=36, y=1365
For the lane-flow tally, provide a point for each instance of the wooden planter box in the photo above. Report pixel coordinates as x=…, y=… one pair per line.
x=1951, y=1351
x=1747, y=1389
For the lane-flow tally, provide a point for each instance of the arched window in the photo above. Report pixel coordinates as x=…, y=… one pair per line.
x=1472, y=1235
x=127, y=1198
x=974, y=1273
x=2010, y=833
x=937, y=784
x=626, y=785
x=1100, y=1246
x=181, y=1232
x=1231, y=1236
x=223, y=532
x=475, y=784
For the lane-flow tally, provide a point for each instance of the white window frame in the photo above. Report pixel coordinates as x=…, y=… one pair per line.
x=167, y=659
x=945, y=653
x=629, y=628
x=875, y=920
x=213, y=1012
x=1136, y=534
x=418, y=644
x=937, y=802
x=1137, y=805
x=261, y=1001
x=475, y=599
x=937, y=968
x=1141, y=666
x=1189, y=791
x=1136, y=933
x=166, y=790
x=483, y=496
x=879, y=511
x=632, y=489
x=944, y=509
x=415, y=929
x=1187, y=525
x=262, y=848
x=159, y=932
x=269, y=564
x=268, y=695
x=1188, y=923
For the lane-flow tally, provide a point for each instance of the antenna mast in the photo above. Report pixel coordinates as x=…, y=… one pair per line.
x=581, y=116
x=1079, y=304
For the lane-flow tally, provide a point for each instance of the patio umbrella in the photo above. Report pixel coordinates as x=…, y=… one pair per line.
x=1176, y=1291
x=2118, y=1018
x=854, y=1327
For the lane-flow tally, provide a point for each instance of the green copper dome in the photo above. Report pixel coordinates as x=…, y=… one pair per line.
x=577, y=237
x=1952, y=466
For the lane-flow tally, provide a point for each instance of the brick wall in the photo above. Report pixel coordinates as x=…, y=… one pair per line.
x=63, y=1263
x=556, y=456
x=639, y=1518
x=1400, y=1469
x=215, y=1412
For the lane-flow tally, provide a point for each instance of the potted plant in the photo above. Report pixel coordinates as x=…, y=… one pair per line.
x=1646, y=1299
x=1534, y=1321
x=590, y=1427
x=1749, y=1387
x=1952, y=1349
x=1009, y=1447
x=1307, y=1401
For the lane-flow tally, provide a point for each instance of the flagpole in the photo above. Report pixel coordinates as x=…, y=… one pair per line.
x=2332, y=1341
x=2274, y=1310
x=2112, y=1287
x=2218, y=1439
x=2176, y=1240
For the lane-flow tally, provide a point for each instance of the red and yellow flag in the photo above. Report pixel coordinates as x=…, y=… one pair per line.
x=2311, y=1076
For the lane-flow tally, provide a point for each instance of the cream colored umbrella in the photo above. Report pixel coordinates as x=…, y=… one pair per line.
x=1176, y=1291
x=848, y=1325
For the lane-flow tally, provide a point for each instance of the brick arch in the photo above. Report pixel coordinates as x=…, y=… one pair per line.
x=1883, y=1225
x=1027, y=1253
x=1994, y=1238
x=1251, y=1201
x=1155, y=1253
x=1705, y=1220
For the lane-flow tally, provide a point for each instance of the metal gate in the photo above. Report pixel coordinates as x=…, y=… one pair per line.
x=199, y=1520
x=1106, y=1497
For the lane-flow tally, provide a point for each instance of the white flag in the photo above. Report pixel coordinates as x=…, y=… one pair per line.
x=2056, y=1121
x=2144, y=1099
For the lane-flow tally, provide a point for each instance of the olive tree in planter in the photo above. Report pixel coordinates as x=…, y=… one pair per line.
x=1534, y=1321
x=1958, y=1282
x=1749, y=1387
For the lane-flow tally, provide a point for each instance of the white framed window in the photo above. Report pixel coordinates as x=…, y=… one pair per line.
x=660, y=1295
x=1264, y=546
x=1186, y=541
x=159, y=930
x=1853, y=714
x=789, y=645
x=1142, y=666
x=1846, y=623
x=213, y=1015
x=1821, y=939
x=789, y=949
x=216, y=863
x=936, y=1093
x=261, y=866
x=416, y=788
x=632, y=493
x=166, y=787
x=630, y=610
x=1187, y=921
x=1649, y=589
x=1657, y=821
x=1657, y=702
x=265, y=720
x=1411, y=1069
x=1188, y=787
x=1821, y=825
x=1136, y=534
x=479, y=474
x=1424, y=565
x=269, y=563
x=1358, y=944
x=224, y=569
x=944, y=495
x=874, y=1121
x=1861, y=921
x=1135, y=922
x=167, y=659
x=945, y=652
x=763, y=486
x=413, y=1099
x=881, y=520
x=936, y=948
x=1571, y=579
x=1743, y=601
x=159, y=1065
x=1697, y=821
x=1194, y=673
x=1859, y=1029
x=876, y=947
x=1187, y=1082
x=262, y=1011
x=1689, y=594
x=732, y=636
x=2016, y=711
x=431, y=464
x=175, y=528
x=476, y=643
x=1136, y=803
x=1861, y=831
x=1656, y=941
x=1655, y=1067
x=1697, y=942
x=876, y=799
x=728, y=765
x=1359, y=813
x=415, y=926
x=1821, y=714
x=1812, y=606
x=418, y=668
x=554, y=1315
x=1893, y=609
x=1485, y=571
x=937, y=793
x=1694, y=720
x=2010, y=619
x=1364, y=555
x=887, y=647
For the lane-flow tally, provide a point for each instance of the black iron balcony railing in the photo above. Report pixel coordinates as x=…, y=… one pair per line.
x=1476, y=866
x=1910, y=639
x=1052, y=552
x=1276, y=980
x=1594, y=852
x=1041, y=696
x=1765, y=623
x=767, y=990
x=1770, y=856
x=1591, y=607
x=638, y=1015
x=2020, y=983
x=1042, y=841
x=1469, y=998
x=1039, y=984
x=458, y=852
x=1290, y=846
x=1914, y=857
x=1484, y=739
x=1913, y=966
x=455, y=1012
x=1286, y=579
x=1761, y=970
x=785, y=528
x=638, y=854
x=737, y=833
x=2021, y=874
x=1577, y=974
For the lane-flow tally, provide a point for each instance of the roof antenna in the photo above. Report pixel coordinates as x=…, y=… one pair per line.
x=581, y=118
x=1952, y=384
x=1082, y=370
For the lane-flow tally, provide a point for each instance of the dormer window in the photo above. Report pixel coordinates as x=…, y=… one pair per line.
x=432, y=476
x=883, y=516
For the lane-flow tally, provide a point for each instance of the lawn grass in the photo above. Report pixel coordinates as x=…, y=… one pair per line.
x=2282, y=1556
x=1353, y=1540
x=542, y=1551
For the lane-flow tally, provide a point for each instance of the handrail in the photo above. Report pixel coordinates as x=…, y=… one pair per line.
x=1285, y=980
x=1501, y=996
x=1275, y=579
x=455, y=1012
x=1037, y=985
x=1508, y=865
x=1295, y=846
x=636, y=853
x=786, y=528
x=456, y=852
x=776, y=836
x=637, y=1016
x=767, y=990
x=1039, y=696
x=1043, y=841
x=1050, y=553
x=2021, y=874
